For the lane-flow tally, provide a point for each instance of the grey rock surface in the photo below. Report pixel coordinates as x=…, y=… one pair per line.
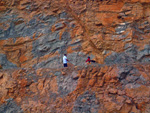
x=66, y=84
x=5, y=63
x=10, y=107
x=85, y=103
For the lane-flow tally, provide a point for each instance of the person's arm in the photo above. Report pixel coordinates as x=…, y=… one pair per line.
x=67, y=59
x=88, y=60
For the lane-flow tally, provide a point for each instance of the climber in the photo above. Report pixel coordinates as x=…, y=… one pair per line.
x=65, y=60
x=89, y=60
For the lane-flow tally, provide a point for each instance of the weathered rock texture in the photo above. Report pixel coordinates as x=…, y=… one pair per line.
x=37, y=33
x=106, y=89
x=34, y=35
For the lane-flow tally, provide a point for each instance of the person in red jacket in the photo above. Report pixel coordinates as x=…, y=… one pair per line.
x=88, y=60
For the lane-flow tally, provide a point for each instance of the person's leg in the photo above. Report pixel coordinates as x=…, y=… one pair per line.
x=93, y=61
x=65, y=65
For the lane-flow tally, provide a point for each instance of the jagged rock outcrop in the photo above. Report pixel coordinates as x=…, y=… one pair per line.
x=37, y=33
x=94, y=89
x=34, y=35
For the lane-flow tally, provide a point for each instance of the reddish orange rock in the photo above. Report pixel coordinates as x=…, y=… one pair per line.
x=113, y=81
x=104, y=69
x=92, y=82
x=140, y=91
x=145, y=1
x=114, y=7
x=23, y=82
x=40, y=85
x=110, y=106
x=1, y=75
x=39, y=72
x=2, y=8
x=120, y=99
x=84, y=100
x=128, y=101
x=108, y=30
x=0, y=67
x=33, y=87
x=101, y=83
x=135, y=110
x=83, y=74
x=112, y=90
x=107, y=78
x=94, y=70
x=126, y=108
x=23, y=58
x=63, y=73
x=100, y=74
x=121, y=92
x=18, y=99
x=4, y=92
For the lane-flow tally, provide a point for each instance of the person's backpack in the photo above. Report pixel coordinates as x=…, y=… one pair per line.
x=93, y=61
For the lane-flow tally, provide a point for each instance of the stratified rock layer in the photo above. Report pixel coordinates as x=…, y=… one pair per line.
x=94, y=89
x=34, y=35
x=38, y=33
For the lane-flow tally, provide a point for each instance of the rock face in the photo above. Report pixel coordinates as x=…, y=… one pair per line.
x=100, y=90
x=38, y=33
x=34, y=35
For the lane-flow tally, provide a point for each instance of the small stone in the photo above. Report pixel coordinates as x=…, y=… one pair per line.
x=63, y=73
x=95, y=75
x=19, y=82
x=92, y=82
x=113, y=81
x=104, y=52
x=128, y=101
x=101, y=83
x=75, y=75
x=40, y=85
x=83, y=100
x=1, y=75
x=33, y=87
x=100, y=74
x=121, y=92
x=83, y=74
x=18, y=99
x=112, y=90
x=75, y=67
